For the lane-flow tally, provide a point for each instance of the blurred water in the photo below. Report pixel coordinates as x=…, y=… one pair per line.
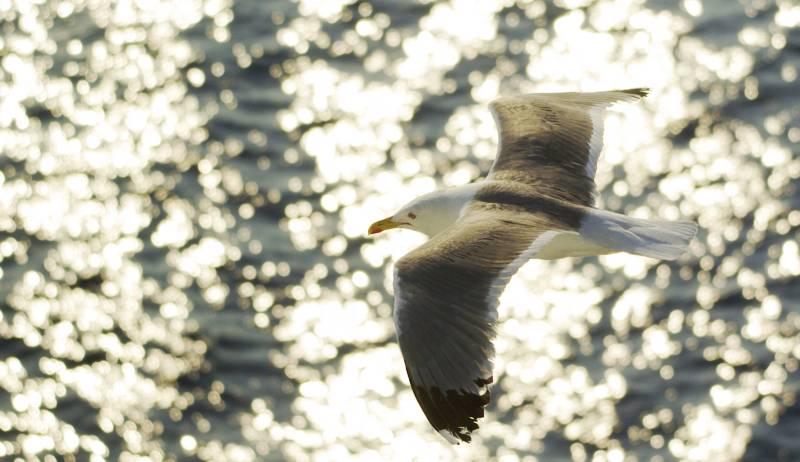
x=185, y=186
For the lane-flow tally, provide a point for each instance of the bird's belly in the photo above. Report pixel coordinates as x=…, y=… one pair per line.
x=570, y=244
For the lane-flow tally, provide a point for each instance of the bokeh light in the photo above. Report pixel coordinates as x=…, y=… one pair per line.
x=185, y=188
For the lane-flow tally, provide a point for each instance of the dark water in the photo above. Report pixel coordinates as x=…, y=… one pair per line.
x=185, y=187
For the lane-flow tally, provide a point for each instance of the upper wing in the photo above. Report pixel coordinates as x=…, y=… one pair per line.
x=553, y=140
x=446, y=295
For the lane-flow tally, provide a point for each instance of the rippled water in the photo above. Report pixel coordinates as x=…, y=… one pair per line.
x=185, y=187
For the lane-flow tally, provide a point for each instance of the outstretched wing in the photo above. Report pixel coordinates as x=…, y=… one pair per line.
x=446, y=295
x=552, y=140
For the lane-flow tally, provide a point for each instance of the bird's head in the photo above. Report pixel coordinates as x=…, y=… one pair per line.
x=429, y=214
x=405, y=218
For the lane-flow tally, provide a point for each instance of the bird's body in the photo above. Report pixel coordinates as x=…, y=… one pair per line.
x=536, y=202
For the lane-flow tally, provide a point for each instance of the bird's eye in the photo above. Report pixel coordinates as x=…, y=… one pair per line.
x=412, y=216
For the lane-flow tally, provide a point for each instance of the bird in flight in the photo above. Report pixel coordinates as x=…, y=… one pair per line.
x=536, y=202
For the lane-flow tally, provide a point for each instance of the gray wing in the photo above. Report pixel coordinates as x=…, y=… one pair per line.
x=553, y=140
x=446, y=295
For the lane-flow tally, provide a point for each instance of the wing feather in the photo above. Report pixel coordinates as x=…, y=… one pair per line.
x=446, y=295
x=553, y=140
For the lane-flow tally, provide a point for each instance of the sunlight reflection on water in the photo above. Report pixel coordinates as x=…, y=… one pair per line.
x=185, y=195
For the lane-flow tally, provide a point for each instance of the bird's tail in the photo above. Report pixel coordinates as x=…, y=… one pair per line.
x=666, y=240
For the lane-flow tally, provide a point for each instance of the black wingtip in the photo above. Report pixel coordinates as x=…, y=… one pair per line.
x=454, y=414
x=639, y=92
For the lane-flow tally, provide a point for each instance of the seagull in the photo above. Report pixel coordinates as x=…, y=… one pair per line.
x=536, y=202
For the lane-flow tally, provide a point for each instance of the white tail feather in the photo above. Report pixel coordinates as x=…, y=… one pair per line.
x=666, y=240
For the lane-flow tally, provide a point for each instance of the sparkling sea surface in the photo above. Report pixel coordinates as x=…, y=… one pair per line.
x=186, y=185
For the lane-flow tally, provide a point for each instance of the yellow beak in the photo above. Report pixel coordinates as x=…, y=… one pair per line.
x=382, y=225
